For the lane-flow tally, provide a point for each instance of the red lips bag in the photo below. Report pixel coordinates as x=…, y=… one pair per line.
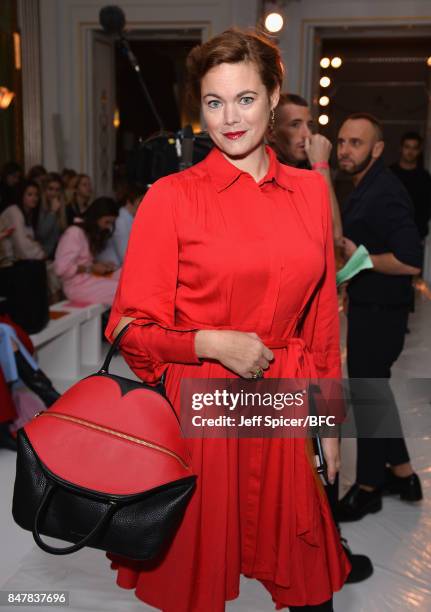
x=104, y=467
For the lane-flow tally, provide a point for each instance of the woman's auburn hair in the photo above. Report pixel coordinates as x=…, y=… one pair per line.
x=233, y=46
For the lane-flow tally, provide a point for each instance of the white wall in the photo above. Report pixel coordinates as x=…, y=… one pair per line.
x=65, y=58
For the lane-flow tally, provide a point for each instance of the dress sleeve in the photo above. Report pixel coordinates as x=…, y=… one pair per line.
x=321, y=329
x=68, y=253
x=147, y=289
x=396, y=225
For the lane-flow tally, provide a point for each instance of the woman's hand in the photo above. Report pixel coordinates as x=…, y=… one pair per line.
x=331, y=452
x=241, y=352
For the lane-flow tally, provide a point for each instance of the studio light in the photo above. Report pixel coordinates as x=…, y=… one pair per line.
x=324, y=101
x=323, y=119
x=274, y=22
x=6, y=97
x=336, y=62
x=429, y=61
x=325, y=62
x=325, y=81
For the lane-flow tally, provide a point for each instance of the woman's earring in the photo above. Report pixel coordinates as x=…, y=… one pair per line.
x=272, y=119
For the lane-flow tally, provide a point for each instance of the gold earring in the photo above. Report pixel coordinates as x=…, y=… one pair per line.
x=272, y=119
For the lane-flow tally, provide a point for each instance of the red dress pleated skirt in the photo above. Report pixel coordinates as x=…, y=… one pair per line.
x=259, y=509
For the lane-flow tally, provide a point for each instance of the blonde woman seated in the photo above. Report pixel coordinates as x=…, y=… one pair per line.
x=84, y=278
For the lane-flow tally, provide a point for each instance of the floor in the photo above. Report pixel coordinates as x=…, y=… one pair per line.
x=398, y=539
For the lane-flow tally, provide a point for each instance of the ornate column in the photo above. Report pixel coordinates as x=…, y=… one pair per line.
x=28, y=19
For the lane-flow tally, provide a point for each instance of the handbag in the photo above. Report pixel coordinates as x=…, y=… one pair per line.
x=28, y=295
x=105, y=467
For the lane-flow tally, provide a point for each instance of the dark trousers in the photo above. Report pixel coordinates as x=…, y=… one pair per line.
x=375, y=339
x=323, y=607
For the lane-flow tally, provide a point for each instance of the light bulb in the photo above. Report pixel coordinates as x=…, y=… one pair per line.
x=325, y=81
x=324, y=62
x=324, y=101
x=323, y=119
x=336, y=62
x=274, y=22
x=429, y=61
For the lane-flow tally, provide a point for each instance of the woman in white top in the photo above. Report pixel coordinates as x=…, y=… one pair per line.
x=21, y=218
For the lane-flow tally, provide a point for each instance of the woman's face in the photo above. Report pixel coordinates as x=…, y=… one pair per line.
x=30, y=198
x=106, y=223
x=84, y=187
x=53, y=190
x=236, y=107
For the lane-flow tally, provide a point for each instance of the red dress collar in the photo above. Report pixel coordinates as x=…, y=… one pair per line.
x=224, y=173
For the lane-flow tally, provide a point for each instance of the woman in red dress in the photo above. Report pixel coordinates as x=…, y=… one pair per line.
x=230, y=272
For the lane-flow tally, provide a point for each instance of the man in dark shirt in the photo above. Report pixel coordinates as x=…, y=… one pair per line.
x=379, y=215
x=415, y=179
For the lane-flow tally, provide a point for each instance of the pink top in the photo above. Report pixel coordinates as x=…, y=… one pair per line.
x=73, y=251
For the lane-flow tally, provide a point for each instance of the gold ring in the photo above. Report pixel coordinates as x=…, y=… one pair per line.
x=258, y=373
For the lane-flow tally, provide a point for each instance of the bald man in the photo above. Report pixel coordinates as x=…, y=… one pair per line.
x=379, y=215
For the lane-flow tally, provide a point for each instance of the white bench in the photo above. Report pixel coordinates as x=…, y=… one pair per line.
x=71, y=342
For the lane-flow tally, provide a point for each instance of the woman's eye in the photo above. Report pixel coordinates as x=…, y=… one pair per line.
x=214, y=103
x=246, y=100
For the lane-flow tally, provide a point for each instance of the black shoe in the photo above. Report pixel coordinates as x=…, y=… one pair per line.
x=408, y=487
x=6, y=438
x=362, y=568
x=36, y=381
x=357, y=503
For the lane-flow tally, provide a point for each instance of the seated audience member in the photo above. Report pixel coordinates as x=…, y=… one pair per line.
x=10, y=180
x=18, y=364
x=117, y=244
x=85, y=279
x=37, y=174
x=69, y=178
x=24, y=274
x=21, y=219
x=80, y=200
x=52, y=215
x=415, y=179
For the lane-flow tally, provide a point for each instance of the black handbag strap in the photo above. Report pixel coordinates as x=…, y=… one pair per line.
x=75, y=547
x=105, y=367
x=114, y=346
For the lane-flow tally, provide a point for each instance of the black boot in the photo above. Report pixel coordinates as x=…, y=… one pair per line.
x=6, y=438
x=36, y=381
x=362, y=568
x=408, y=487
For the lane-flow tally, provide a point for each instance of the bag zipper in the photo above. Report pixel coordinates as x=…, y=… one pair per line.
x=117, y=434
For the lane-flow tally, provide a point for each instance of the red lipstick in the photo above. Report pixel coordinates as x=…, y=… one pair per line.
x=233, y=135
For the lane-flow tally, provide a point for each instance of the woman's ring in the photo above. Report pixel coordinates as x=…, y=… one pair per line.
x=258, y=373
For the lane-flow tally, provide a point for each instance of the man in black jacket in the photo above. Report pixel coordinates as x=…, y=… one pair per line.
x=415, y=179
x=379, y=215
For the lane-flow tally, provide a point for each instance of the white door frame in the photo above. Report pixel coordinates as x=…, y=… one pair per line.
x=86, y=93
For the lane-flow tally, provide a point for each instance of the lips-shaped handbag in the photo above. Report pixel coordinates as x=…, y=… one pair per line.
x=104, y=467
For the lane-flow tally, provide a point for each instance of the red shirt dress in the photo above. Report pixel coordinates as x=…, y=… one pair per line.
x=211, y=248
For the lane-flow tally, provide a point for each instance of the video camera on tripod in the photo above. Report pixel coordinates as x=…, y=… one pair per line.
x=164, y=152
